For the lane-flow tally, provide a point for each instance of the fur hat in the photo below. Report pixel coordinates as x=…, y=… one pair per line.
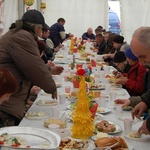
x=119, y=57
x=130, y=55
x=118, y=39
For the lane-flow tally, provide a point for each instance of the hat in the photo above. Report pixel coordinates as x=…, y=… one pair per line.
x=118, y=39
x=34, y=16
x=130, y=55
x=119, y=57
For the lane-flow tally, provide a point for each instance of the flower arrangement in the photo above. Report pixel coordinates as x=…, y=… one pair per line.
x=85, y=72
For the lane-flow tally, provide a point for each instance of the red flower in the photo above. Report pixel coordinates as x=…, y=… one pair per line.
x=81, y=72
x=90, y=68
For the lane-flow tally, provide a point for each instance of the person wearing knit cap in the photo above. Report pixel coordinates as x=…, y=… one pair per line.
x=118, y=39
x=132, y=81
x=130, y=55
x=120, y=63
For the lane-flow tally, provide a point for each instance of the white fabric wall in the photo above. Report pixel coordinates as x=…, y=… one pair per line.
x=134, y=14
x=79, y=14
x=10, y=13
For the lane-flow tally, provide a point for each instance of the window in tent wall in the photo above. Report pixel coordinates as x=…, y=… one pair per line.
x=114, y=16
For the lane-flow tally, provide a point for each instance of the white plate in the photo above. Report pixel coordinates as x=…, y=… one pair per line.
x=36, y=138
x=46, y=115
x=46, y=102
x=142, y=138
x=106, y=110
x=101, y=87
x=118, y=127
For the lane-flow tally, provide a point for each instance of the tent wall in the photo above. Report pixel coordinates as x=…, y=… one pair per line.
x=134, y=14
x=79, y=14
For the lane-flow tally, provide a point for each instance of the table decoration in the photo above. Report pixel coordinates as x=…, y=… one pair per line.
x=83, y=126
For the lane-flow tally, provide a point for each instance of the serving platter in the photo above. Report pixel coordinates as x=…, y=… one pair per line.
x=36, y=138
x=97, y=87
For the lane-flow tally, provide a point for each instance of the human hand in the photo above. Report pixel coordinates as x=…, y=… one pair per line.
x=121, y=80
x=54, y=95
x=56, y=70
x=138, y=110
x=50, y=63
x=143, y=129
x=35, y=90
x=124, y=102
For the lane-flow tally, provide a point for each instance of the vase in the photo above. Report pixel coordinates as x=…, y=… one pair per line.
x=76, y=84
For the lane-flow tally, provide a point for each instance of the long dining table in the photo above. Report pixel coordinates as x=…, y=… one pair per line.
x=136, y=144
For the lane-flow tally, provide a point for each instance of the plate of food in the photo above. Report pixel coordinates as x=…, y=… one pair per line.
x=108, y=127
x=47, y=102
x=127, y=108
x=69, y=143
x=97, y=87
x=134, y=135
x=103, y=110
x=36, y=115
x=28, y=138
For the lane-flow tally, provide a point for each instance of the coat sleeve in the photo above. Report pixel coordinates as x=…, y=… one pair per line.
x=146, y=98
x=25, y=56
x=134, y=100
x=137, y=86
x=148, y=124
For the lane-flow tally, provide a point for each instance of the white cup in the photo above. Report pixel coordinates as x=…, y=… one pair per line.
x=106, y=80
x=113, y=96
x=97, y=80
x=102, y=101
x=68, y=89
x=98, y=68
x=107, y=88
x=102, y=74
x=128, y=124
x=55, y=111
x=62, y=98
x=119, y=109
x=106, y=69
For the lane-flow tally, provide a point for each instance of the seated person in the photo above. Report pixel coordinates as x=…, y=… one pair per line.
x=120, y=63
x=88, y=35
x=8, y=85
x=134, y=100
x=133, y=81
x=101, y=44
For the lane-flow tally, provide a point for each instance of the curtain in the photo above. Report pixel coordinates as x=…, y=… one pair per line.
x=134, y=14
x=10, y=13
x=79, y=14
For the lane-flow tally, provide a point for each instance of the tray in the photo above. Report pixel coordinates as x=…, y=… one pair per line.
x=36, y=138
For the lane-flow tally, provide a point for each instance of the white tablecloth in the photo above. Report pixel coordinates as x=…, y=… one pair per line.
x=112, y=116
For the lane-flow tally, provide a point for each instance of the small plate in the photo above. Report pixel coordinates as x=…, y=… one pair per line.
x=143, y=137
x=105, y=110
x=36, y=117
x=118, y=127
x=98, y=87
x=46, y=102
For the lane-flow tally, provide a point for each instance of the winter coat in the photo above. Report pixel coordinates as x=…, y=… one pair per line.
x=20, y=55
